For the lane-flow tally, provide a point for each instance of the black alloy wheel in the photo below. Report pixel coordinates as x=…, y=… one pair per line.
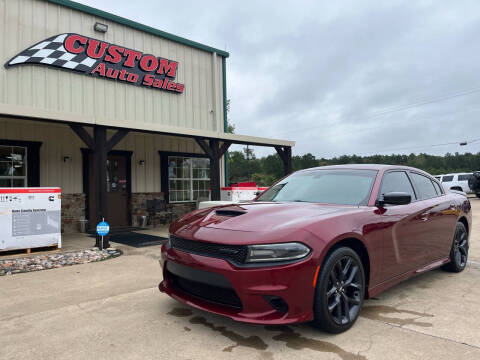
x=459, y=251
x=340, y=291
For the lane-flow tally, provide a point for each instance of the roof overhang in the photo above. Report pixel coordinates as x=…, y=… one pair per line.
x=27, y=113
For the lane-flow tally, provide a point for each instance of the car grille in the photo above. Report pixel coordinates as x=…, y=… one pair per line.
x=218, y=295
x=233, y=253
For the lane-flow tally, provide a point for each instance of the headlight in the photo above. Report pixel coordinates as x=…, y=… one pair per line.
x=169, y=241
x=276, y=252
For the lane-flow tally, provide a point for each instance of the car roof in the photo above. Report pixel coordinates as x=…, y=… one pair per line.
x=365, y=167
x=462, y=173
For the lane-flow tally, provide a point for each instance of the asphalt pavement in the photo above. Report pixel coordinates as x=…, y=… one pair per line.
x=113, y=310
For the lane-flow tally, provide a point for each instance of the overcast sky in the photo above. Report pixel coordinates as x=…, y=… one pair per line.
x=339, y=77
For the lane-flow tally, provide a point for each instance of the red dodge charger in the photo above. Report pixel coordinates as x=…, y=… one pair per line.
x=316, y=244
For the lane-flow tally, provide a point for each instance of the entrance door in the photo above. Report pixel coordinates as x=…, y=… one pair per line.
x=118, y=190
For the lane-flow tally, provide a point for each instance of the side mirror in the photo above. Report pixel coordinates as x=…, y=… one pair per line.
x=395, y=198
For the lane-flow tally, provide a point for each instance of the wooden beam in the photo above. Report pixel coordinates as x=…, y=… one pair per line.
x=83, y=135
x=285, y=154
x=116, y=138
x=206, y=149
x=223, y=149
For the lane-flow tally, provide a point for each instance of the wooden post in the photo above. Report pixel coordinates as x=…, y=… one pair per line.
x=100, y=176
x=215, y=152
x=214, y=171
x=285, y=154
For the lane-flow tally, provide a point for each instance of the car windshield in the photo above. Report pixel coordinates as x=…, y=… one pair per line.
x=342, y=186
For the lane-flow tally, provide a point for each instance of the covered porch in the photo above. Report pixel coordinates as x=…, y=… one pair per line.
x=147, y=154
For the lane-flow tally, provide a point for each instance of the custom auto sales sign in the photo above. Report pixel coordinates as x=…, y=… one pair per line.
x=94, y=57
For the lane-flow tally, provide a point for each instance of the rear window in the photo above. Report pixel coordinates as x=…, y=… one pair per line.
x=424, y=186
x=464, y=177
x=447, y=178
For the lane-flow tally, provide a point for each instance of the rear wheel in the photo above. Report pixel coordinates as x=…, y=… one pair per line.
x=459, y=251
x=339, y=292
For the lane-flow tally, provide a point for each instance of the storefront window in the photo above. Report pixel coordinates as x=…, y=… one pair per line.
x=13, y=166
x=188, y=178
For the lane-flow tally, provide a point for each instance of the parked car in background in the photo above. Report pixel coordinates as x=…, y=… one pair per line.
x=316, y=244
x=456, y=181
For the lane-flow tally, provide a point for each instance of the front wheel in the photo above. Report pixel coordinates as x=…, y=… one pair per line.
x=459, y=250
x=339, y=292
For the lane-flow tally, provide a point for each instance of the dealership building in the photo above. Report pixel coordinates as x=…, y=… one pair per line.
x=112, y=111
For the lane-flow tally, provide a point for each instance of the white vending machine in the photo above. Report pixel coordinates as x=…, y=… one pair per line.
x=30, y=218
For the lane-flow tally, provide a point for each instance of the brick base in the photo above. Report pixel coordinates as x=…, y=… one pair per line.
x=73, y=209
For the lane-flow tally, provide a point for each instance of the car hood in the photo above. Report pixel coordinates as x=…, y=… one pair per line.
x=264, y=216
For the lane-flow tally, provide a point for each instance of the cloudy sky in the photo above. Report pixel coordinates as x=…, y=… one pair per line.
x=339, y=77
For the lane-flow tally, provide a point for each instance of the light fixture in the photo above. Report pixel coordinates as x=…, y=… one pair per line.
x=141, y=162
x=103, y=28
x=67, y=159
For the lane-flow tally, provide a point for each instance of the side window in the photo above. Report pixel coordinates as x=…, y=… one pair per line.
x=447, y=178
x=397, y=181
x=424, y=186
x=464, y=177
x=437, y=187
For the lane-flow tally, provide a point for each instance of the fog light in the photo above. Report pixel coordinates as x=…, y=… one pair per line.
x=277, y=303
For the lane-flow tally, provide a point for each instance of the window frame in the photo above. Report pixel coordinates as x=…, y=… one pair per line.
x=164, y=179
x=32, y=169
x=12, y=177
x=409, y=179
x=428, y=177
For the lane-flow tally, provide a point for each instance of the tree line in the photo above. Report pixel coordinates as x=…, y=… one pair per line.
x=245, y=166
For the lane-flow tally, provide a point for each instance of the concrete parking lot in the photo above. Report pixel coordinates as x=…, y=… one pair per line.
x=113, y=310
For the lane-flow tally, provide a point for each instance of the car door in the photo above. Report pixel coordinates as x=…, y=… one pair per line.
x=443, y=217
x=431, y=227
x=401, y=227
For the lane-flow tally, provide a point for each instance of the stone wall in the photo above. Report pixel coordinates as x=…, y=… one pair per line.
x=181, y=209
x=139, y=207
x=73, y=209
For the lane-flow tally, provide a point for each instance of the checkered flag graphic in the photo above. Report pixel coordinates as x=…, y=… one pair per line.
x=51, y=52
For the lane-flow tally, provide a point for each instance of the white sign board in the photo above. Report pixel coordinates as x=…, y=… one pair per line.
x=237, y=194
x=30, y=218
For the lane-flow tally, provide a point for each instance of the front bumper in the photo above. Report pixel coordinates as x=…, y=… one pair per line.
x=293, y=283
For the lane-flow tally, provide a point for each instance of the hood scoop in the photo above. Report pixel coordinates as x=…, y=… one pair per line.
x=229, y=212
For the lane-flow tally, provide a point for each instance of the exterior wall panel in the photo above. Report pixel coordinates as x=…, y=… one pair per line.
x=27, y=22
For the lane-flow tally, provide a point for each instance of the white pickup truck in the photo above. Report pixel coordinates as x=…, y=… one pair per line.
x=457, y=181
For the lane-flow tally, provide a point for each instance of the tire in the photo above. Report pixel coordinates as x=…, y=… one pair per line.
x=348, y=289
x=459, y=250
x=473, y=182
